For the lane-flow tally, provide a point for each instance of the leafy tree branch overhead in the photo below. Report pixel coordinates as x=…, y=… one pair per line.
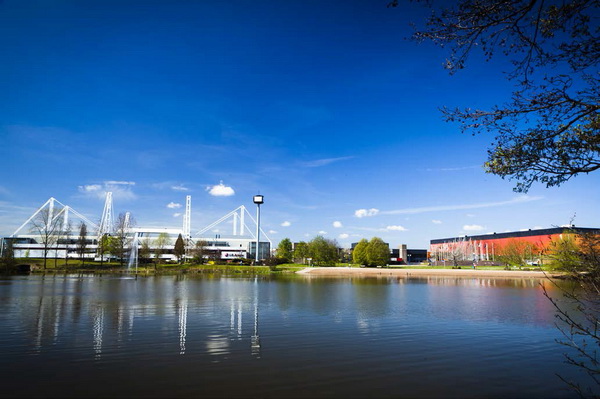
x=548, y=132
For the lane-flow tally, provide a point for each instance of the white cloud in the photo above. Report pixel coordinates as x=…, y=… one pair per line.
x=90, y=188
x=337, y=224
x=173, y=205
x=272, y=231
x=435, y=221
x=473, y=227
x=395, y=228
x=121, y=190
x=286, y=224
x=361, y=213
x=220, y=190
x=179, y=187
x=322, y=162
x=322, y=232
x=343, y=236
x=176, y=215
x=515, y=201
x=119, y=183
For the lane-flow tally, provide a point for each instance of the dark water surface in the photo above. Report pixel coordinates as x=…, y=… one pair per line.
x=178, y=336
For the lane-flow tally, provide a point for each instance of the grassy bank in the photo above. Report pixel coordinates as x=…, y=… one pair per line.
x=73, y=266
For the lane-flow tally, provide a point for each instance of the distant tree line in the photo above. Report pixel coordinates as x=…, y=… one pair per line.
x=326, y=252
x=319, y=251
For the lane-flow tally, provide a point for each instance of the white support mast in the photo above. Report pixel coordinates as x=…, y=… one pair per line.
x=66, y=218
x=242, y=211
x=32, y=216
x=187, y=218
x=127, y=223
x=107, y=221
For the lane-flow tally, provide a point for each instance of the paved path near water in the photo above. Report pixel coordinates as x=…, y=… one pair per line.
x=372, y=271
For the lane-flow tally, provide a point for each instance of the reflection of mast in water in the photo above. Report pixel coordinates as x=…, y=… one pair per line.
x=255, y=340
x=98, y=319
x=182, y=325
x=40, y=324
x=120, y=320
x=233, y=325
x=57, y=317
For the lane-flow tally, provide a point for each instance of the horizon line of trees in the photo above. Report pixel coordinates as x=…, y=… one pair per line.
x=321, y=251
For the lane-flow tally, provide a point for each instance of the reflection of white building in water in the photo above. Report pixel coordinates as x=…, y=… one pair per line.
x=108, y=325
x=58, y=225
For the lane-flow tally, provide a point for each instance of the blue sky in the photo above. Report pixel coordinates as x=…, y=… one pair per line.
x=321, y=106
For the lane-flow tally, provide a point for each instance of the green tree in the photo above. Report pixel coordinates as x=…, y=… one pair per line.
x=104, y=247
x=8, y=255
x=179, y=249
x=517, y=252
x=160, y=245
x=548, y=131
x=578, y=255
x=284, y=250
x=82, y=242
x=145, y=251
x=323, y=251
x=577, y=310
x=378, y=252
x=301, y=252
x=359, y=254
x=199, y=251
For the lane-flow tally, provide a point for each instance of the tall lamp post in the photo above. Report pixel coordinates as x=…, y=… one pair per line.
x=258, y=200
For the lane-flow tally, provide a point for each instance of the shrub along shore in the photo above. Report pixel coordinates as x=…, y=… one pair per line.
x=36, y=266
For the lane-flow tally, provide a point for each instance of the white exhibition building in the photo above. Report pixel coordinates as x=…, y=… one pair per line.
x=28, y=241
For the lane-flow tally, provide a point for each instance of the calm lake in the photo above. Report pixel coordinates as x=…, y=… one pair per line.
x=287, y=336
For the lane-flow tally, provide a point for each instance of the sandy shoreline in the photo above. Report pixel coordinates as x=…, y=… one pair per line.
x=354, y=271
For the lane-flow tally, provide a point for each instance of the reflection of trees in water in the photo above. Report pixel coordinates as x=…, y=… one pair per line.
x=481, y=281
x=490, y=300
x=219, y=316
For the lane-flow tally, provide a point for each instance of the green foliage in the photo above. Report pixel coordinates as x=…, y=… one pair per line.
x=104, y=247
x=548, y=131
x=517, y=252
x=273, y=261
x=159, y=245
x=179, y=249
x=301, y=252
x=284, y=250
x=378, y=252
x=144, y=251
x=577, y=311
x=323, y=252
x=577, y=254
x=198, y=252
x=359, y=254
x=8, y=255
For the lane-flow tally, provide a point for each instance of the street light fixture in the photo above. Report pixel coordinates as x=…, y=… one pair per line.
x=258, y=200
